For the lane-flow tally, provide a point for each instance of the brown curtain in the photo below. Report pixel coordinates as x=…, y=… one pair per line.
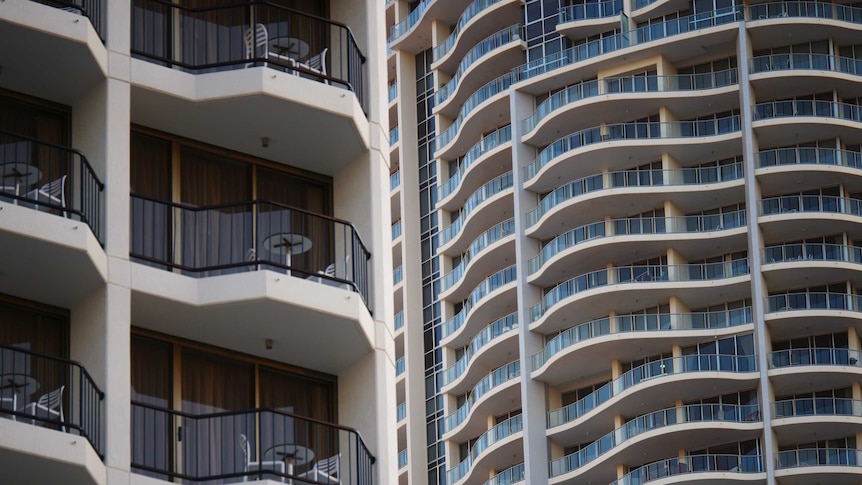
x=212, y=384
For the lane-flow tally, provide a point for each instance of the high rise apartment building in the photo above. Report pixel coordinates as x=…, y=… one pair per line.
x=627, y=240
x=194, y=253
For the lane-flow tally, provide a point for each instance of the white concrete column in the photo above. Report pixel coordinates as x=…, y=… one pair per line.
x=533, y=393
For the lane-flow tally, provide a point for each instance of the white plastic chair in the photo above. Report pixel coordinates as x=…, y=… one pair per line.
x=249, y=465
x=51, y=404
x=325, y=470
x=316, y=63
x=54, y=192
x=256, y=43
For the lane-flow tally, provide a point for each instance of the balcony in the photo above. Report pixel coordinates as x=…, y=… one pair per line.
x=50, y=196
x=809, y=20
x=496, y=438
x=195, y=75
x=780, y=216
x=459, y=424
x=58, y=54
x=778, y=168
x=611, y=239
x=476, y=260
x=773, y=120
x=649, y=282
x=795, y=420
x=696, y=425
x=487, y=196
x=838, y=466
x=496, y=288
x=44, y=400
x=480, y=19
x=820, y=262
x=508, y=476
x=499, y=335
x=830, y=367
x=583, y=347
x=582, y=20
x=793, y=314
x=610, y=145
x=238, y=446
x=787, y=75
x=707, y=468
x=466, y=177
x=626, y=98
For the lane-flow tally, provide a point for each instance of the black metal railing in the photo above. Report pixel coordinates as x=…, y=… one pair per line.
x=49, y=177
x=92, y=9
x=236, y=446
x=48, y=391
x=234, y=238
x=224, y=37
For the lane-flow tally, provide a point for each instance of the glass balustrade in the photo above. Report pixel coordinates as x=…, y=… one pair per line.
x=818, y=457
x=659, y=368
x=486, y=92
x=813, y=301
x=692, y=464
x=486, y=287
x=788, y=204
x=812, y=252
x=807, y=107
x=409, y=22
x=467, y=15
x=657, y=322
x=814, y=356
x=508, y=477
x=496, y=378
x=816, y=10
x=486, y=144
x=501, y=327
x=816, y=406
x=399, y=321
x=614, y=85
x=496, y=434
x=490, y=189
x=632, y=131
x=637, y=274
x=484, y=240
x=694, y=413
x=399, y=367
x=395, y=180
x=401, y=412
x=806, y=61
x=397, y=275
x=635, y=226
x=396, y=230
x=808, y=155
x=590, y=10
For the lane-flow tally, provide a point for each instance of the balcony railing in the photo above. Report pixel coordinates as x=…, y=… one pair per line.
x=487, y=238
x=639, y=84
x=396, y=230
x=637, y=322
x=818, y=457
x=408, y=22
x=496, y=434
x=487, y=335
x=248, y=236
x=663, y=367
x=483, y=193
x=590, y=10
x=640, y=226
x=632, y=131
x=692, y=464
x=806, y=61
x=489, y=90
x=397, y=275
x=29, y=376
x=236, y=446
x=399, y=366
x=636, y=178
x=92, y=9
x=812, y=252
x=809, y=155
x=508, y=477
x=483, y=289
x=692, y=413
x=393, y=136
x=402, y=459
x=486, y=144
x=813, y=301
x=817, y=10
x=638, y=274
x=51, y=178
x=815, y=356
x=817, y=406
x=393, y=91
x=209, y=39
x=807, y=107
x=471, y=11
x=401, y=412
x=497, y=377
x=399, y=321
x=789, y=204
x=394, y=180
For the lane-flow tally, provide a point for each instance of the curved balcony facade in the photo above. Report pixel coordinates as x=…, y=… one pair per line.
x=488, y=143
x=486, y=192
x=496, y=378
x=488, y=286
x=482, y=340
x=486, y=239
x=495, y=435
x=698, y=466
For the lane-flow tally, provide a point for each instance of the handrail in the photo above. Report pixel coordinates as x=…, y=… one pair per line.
x=807, y=107
x=809, y=155
x=640, y=322
x=806, y=61
x=497, y=433
x=813, y=301
x=509, y=476
x=690, y=413
x=92, y=9
x=155, y=429
x=635, y=226
x=467, y=15
x=491, y=188
x=81, y=398
x=816, y=406
x=408, y=22
x=630, y=84
x=794, y=9
x=636, y=178
x=638, y=130
x=781, y=253
x=488, y=142
x=636, y=274
x=589, y=10
x=483, y=289
x=645, y=372
x=488, y=334
x=54, y=162
x=492, y=235
x=810, y=203
x=806, y=457
x=230, y=238
x=492, y=88
x=815, y=356
x=496, y=377
x=709, y=462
